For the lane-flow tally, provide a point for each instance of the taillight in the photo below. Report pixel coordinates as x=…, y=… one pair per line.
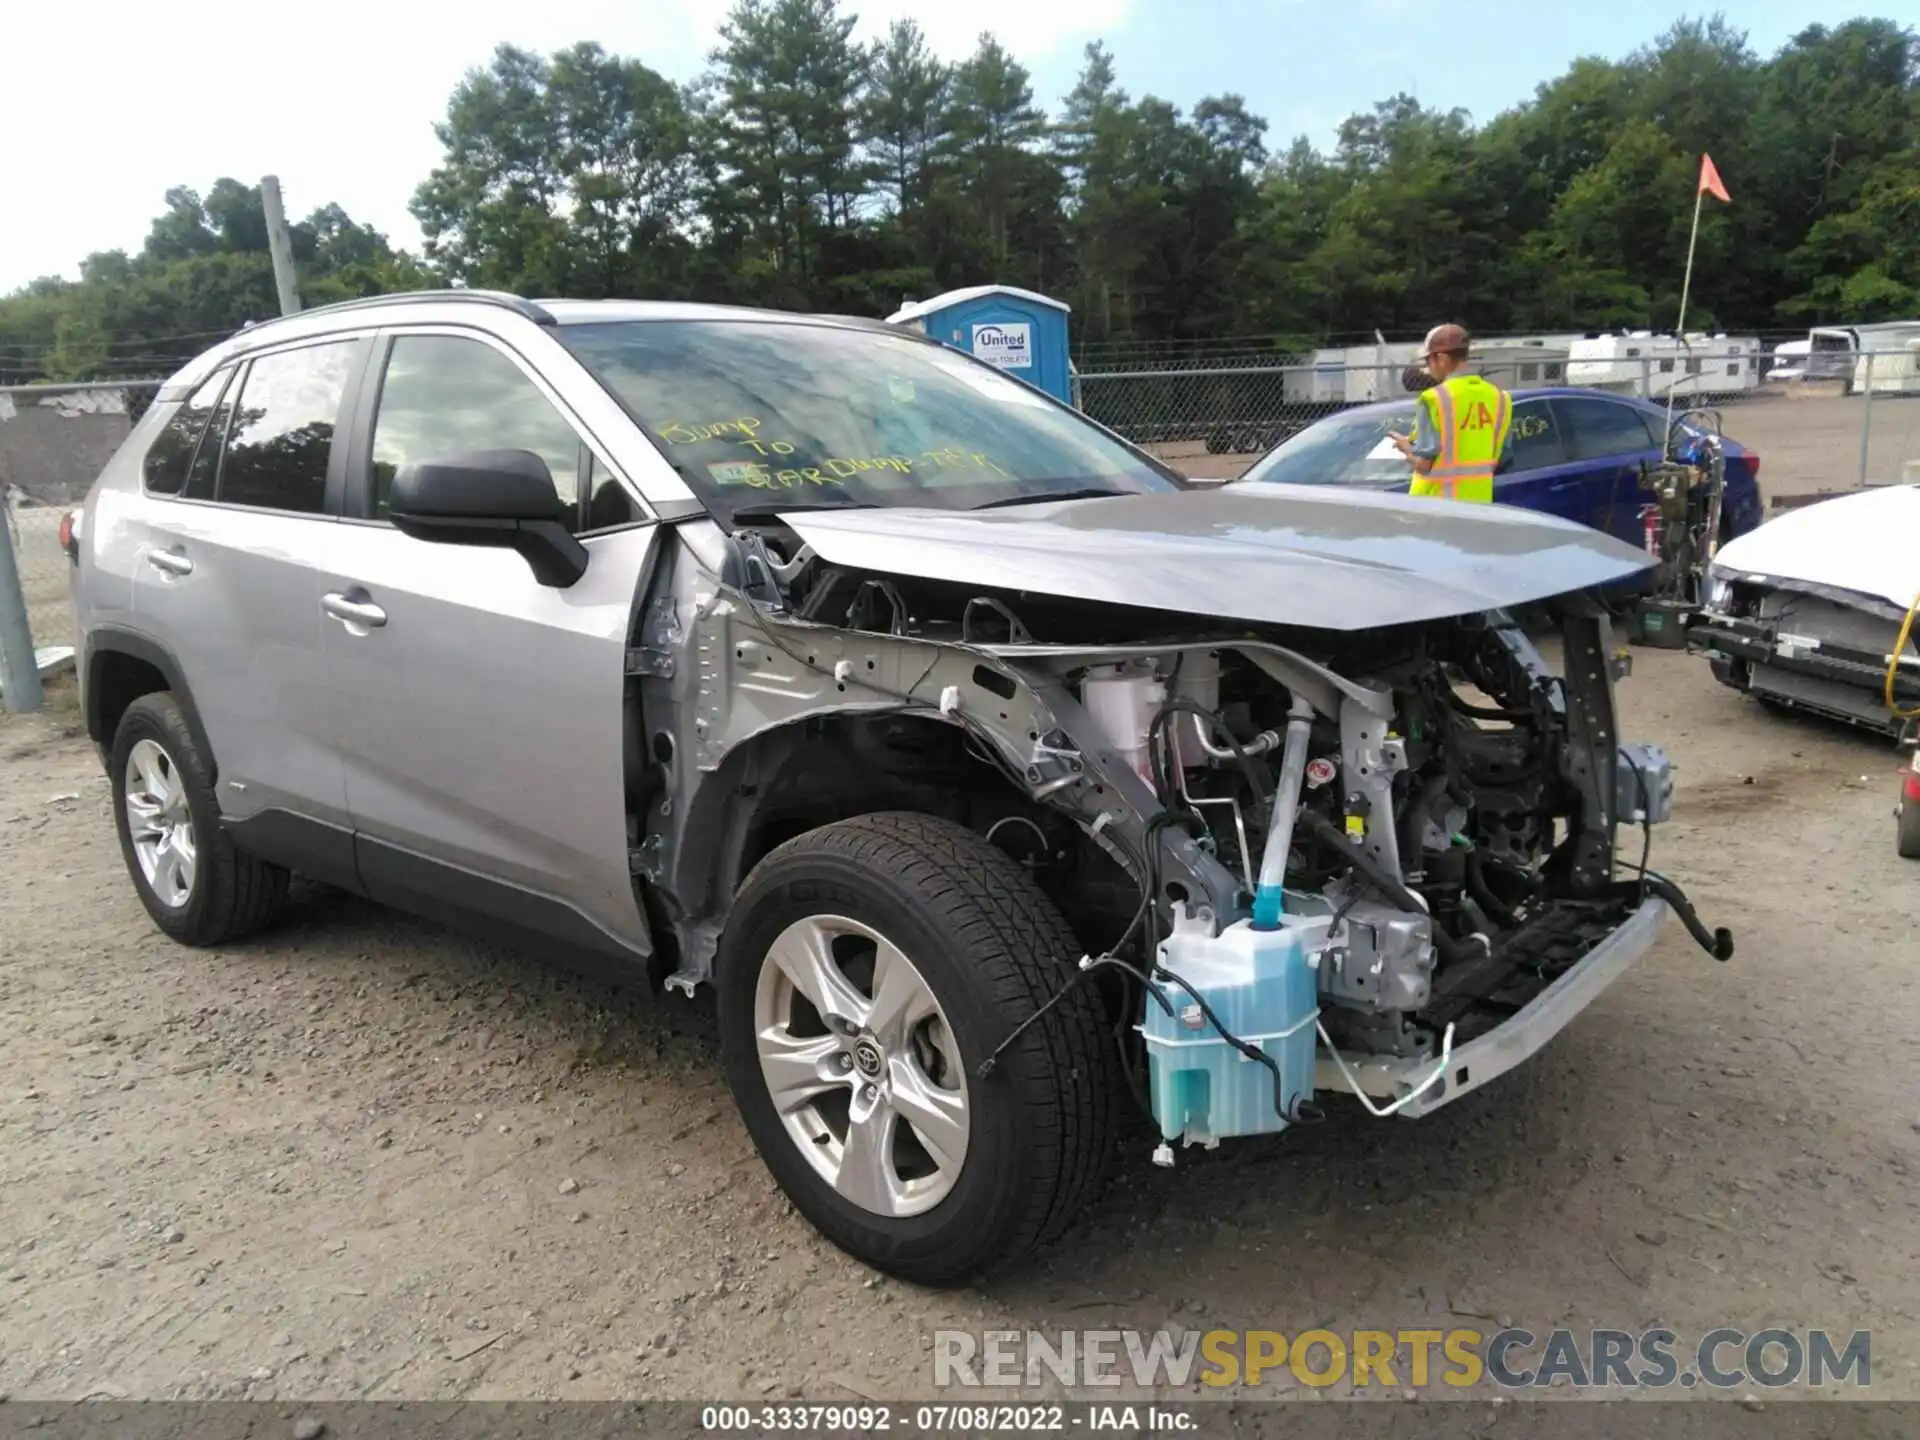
x=69, y=535
x=1753, y=464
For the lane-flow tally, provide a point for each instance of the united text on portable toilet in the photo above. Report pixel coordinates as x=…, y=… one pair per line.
x=1014, y=330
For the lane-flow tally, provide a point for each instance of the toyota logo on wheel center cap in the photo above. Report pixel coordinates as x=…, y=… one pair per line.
x=866, y=1057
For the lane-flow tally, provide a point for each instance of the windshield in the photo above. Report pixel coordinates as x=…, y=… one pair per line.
x=757, y=415
x=1350, y=449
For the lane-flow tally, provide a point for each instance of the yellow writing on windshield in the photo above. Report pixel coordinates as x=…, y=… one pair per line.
x=841, y=468
x=764, y=477
x=769, y=447
x=1525, y=427
x=837, y=468
x=954, y=458
x=745, y=428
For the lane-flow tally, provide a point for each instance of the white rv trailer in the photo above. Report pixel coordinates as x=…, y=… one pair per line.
x=1321, y=382
x=1375, y=372
x=1891, y=366
x=1520, y=363
x=1889, y=361
x=1657, y=365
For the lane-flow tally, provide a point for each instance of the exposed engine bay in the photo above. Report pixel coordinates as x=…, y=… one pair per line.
x=1420, y=819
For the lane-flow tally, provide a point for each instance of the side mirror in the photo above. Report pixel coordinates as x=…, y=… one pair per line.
x=501, y=498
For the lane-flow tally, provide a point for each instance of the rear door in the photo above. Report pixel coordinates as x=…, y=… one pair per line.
x=481, y=714
x=1611, y=441
x=228, y=576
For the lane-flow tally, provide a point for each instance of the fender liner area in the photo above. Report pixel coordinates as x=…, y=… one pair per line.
x=106, y=640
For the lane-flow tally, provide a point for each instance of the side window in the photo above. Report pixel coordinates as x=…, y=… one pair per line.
x=281, y=432
x=1536, y=441
x=206, y=460
x=608, y=503
x=1597, y=429
x=443, y=394
x=171, y=454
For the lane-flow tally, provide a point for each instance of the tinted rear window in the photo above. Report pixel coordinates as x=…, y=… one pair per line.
x=173, y=448
x=281, y=433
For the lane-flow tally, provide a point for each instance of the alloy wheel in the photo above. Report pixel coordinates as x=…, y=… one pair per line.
x=861, y=1065
x=159, y=823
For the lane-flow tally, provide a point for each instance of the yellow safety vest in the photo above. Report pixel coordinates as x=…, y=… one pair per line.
x=1471, y=416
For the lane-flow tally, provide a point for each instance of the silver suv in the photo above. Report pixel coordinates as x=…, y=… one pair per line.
x=985, y=769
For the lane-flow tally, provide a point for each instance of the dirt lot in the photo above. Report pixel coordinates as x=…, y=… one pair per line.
x=363, y=1156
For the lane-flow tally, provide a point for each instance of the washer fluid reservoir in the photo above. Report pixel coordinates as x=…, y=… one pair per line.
x=1260, y=985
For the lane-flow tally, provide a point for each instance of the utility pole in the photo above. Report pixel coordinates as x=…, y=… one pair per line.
x=280, y=243
x=19, y=671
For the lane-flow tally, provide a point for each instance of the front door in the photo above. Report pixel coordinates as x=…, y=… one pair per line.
x=481, y=714
x=1613, y=442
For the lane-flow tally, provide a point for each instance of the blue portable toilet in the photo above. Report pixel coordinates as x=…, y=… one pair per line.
x=1013, y=330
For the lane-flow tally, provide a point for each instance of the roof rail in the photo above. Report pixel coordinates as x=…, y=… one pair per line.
x=867, y=322
x=499, y=298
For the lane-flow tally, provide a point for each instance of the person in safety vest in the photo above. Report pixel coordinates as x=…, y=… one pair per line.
x=1462, y=425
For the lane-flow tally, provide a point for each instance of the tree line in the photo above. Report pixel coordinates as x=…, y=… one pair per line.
x=807, y=169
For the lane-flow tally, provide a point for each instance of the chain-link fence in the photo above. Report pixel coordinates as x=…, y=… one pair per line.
x=1858, y=425
x=1246, y=408
x=54, y=440
x=44, y=571
x=1888, y=383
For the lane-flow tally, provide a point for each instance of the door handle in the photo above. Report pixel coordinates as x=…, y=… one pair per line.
x=351, y=612
x=170, y=561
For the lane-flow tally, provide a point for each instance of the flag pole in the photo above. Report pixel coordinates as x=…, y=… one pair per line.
x=1686, y=288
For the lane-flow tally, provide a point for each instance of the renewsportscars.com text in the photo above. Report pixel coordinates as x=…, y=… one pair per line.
x=1511, y=1358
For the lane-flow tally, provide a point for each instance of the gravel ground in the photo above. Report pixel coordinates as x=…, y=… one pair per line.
x=365, y=1157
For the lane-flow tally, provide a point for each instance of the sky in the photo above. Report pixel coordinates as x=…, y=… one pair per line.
x=111, y=103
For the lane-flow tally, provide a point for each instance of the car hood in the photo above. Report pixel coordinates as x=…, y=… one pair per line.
x=1255, y=552
x=1862, y=543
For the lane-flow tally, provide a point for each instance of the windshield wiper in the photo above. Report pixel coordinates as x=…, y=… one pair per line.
x=763, y=514
x=1091, y=492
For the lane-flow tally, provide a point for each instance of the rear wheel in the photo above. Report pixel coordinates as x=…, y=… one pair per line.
x=867, y=970
x=197, y=887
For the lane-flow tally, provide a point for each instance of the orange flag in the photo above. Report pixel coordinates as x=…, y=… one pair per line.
x=1710, y=181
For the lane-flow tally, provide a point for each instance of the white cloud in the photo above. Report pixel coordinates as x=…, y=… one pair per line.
x=115, y=102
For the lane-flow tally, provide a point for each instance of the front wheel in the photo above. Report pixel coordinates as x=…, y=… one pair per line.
x=867, y=970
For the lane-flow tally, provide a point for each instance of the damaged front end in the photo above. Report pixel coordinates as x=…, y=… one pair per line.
x=1378, y=860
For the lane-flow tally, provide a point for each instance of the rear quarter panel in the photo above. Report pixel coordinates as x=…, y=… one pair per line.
x=102, y=583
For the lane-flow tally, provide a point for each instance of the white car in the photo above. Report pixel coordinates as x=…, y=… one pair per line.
x=1812, y=611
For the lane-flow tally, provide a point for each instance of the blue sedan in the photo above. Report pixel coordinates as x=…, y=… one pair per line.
x=1578, y=454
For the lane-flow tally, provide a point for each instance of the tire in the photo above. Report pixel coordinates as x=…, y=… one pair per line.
x=990, y=948
x=219, y=894
x=1907, y=829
